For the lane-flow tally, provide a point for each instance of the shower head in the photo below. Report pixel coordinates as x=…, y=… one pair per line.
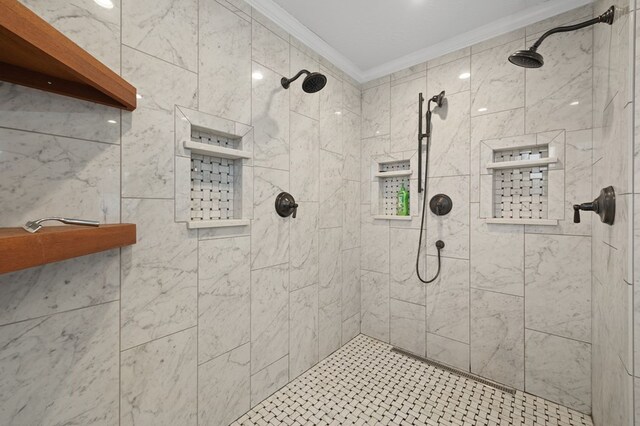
x=527, y=59
x=438, y=99
x=313, y=82
x=532, y=59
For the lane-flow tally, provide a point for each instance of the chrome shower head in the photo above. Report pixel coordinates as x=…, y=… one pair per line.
x=313, y=82
x=527, y=59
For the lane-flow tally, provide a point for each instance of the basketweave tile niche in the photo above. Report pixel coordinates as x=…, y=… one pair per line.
x=213, y=170
x=522, y=179
x=388, y=173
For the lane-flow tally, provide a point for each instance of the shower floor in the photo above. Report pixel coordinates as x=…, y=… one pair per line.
x=365, y=383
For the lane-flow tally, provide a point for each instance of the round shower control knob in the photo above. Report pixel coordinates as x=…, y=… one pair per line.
x=441, y=204
x=286, y=205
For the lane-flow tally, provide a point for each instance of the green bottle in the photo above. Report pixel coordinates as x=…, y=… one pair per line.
x=403, y=202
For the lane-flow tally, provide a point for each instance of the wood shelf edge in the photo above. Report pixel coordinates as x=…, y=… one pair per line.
x=21, y=250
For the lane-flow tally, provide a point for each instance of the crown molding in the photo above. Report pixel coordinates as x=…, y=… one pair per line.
x=502, y=26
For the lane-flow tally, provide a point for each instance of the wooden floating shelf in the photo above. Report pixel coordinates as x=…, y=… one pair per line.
x=20, y=249
x=522, y=163
x=36, y=55
x=216, y=151
x=395, y=173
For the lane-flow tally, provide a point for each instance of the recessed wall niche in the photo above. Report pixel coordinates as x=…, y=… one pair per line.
x=213, y=170
x=522, y=179
x=388, y=174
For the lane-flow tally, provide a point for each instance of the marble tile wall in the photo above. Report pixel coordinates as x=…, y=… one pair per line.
x=513, y=302
x=185, y=327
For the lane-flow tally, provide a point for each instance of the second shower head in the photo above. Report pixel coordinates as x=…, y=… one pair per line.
x=312, y=83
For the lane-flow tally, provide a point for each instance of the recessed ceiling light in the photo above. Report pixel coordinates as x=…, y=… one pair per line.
x=257, y=75
x=112, y=121
x=574, y=103
x=464, y=76
x=107, y=4
x=482, y=109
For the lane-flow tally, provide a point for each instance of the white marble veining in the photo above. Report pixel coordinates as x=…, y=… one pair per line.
x=331, y=115
x=448, y=351
x=304, y=246
x=269, y=316
x=224, y=71
x=224, y=387
x=351, y=293
x=330, y=265
x=375, y=305
x=158, y=381
x=351, y=214
x=268, y=380
x=407, y=326
x=403, y=281
x=58, y=287
x=303, y=326
x=269, y=50
x=224, y=290
x=77, y=353
x=448, y=77
x=376, y=110
x=330, y=328
x=497, y=337
x=159, y=274
x=331, y=190
x=152, y=28
x=404, y=113
x=350, y=328
x=351, y=145
x=374, y=240
x=307, y=104
x=558, y=369
x=352, y=98
x=305, y=158
x=449, y=150
x=558, y=286
x=45, y=175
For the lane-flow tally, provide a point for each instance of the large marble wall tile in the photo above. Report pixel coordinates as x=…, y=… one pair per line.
x=34, y=110
x=307, y=104
x=369, y=148
x=404, y=113
x=331, y=189
x=61, y=369
x=351, y=294
x=269, y=232
x=224, y=387
x=351, y=128
x=452, y=228
x=447, y=77
x=376, y=110
x=448, y=351
x=403, y=250
x=351, y=214
x=374, y=240
x=330, y=265
x=496, y=84
x=304, y=246
x=164, y=29
x=449, y=57
x=303, y=329
x=159, y=381
x=559, y=370
x=330, y=328
x=497, y=337
x=558, y=285
x=497, y=256
x=224, y=73
x=61, y=286
x=407, y=326
x=491, y=126
x=224, y=290
x=375, y=305
x=94, y=28
x=159, y=273
x=350, y=328
x=331, y=134
x=270, y=119
x=305, y=158
x=269, y=50
x=553, y=89
x=269, y=380
x=46, y=175
x=269, y=316
x=352, y=98
x=448, y=299
x=449, y=151
x=148, y=132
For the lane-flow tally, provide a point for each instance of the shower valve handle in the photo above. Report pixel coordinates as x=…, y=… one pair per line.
x=584, y=206
x=286, y=205
x=604, y=206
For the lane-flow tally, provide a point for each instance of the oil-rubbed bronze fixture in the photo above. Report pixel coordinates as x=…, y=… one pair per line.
x=604, y=206
x=441, y=204
x=286, y=205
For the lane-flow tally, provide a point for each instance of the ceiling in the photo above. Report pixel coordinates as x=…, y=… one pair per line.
x=371, y=38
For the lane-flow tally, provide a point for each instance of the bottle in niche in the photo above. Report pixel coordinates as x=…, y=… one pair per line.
x=403, y=202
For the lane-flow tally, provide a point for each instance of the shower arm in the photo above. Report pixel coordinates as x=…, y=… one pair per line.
x=606, y=17
x=287, y=81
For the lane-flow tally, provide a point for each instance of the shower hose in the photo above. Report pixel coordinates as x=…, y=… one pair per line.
x=439, y=244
